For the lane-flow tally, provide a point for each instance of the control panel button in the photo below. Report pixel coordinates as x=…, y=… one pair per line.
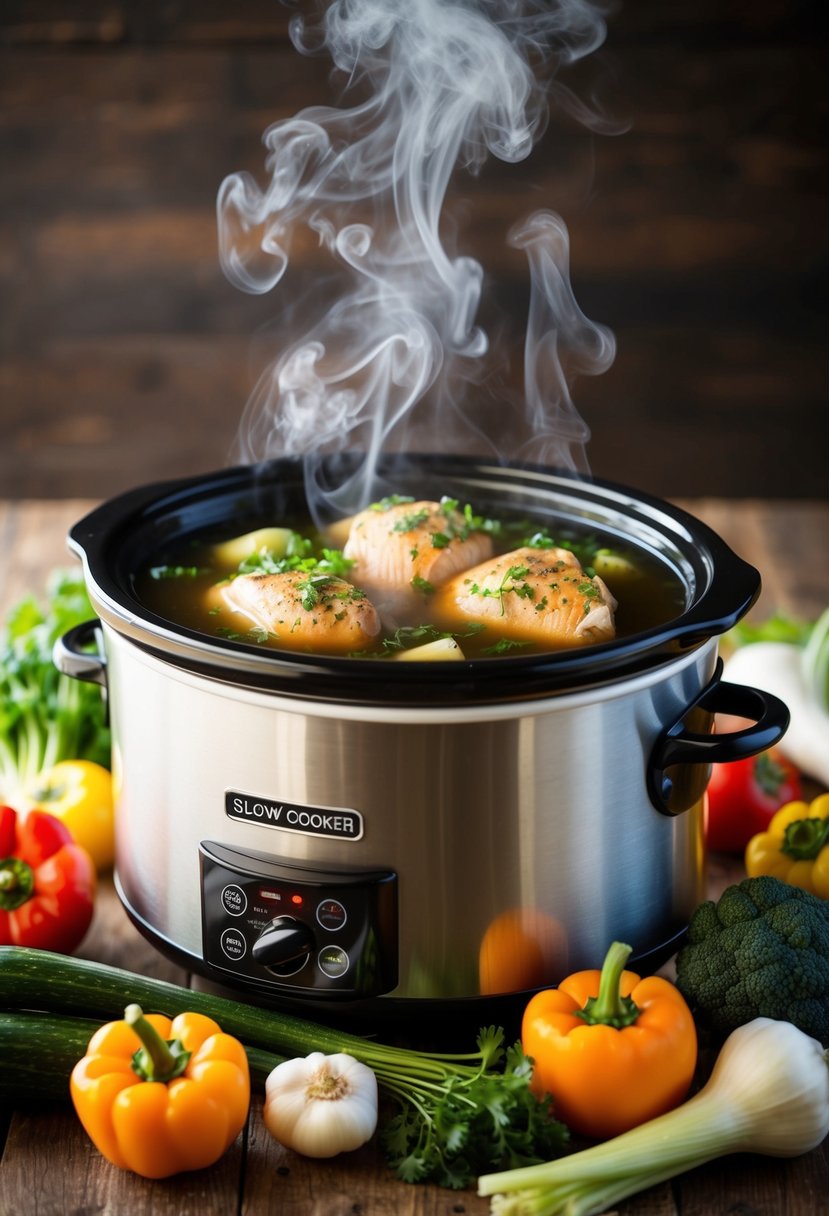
x=333, y=962
x=331, y=914
x=233, y=943
x=234, y=900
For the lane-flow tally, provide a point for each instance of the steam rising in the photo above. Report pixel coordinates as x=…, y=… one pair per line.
x=446, y=84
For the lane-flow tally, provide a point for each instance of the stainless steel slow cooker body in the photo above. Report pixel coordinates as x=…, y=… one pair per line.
x=331, y=829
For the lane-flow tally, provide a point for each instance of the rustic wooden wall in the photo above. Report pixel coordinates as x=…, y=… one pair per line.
x=699, y=236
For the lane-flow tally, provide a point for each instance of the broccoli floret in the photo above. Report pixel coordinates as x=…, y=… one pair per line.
x=761, y=951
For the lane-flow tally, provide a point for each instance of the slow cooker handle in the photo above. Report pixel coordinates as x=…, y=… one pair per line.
x=673, y=793
x=72, y=656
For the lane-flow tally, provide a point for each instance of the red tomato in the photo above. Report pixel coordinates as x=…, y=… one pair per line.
x=743, y=796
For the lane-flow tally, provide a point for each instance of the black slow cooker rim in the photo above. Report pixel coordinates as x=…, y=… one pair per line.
x=99, y=539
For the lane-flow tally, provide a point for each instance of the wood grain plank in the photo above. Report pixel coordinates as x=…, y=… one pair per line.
x=785, y=541
x=84, y=1182
x=34, y=542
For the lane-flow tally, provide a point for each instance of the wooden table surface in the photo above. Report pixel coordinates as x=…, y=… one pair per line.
x=49, y=1168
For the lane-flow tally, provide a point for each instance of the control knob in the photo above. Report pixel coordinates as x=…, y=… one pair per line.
x=284, y=945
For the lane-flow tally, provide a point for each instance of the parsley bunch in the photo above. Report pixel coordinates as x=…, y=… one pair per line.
x=456, y=1117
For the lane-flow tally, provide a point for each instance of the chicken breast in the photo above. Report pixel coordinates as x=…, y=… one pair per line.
x=410, y=546
x=531, y=595
x=311, y=612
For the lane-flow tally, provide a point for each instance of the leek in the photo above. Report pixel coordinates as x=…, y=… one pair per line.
x=768, y=1093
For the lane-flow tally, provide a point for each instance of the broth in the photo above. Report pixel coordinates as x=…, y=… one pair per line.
x=180, y=586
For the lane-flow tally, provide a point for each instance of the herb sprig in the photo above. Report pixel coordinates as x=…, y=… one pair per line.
x=456, y=1118
x=513, y=581
x=418, y=635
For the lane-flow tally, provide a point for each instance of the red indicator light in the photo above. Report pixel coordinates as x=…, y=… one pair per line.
x=296, y=899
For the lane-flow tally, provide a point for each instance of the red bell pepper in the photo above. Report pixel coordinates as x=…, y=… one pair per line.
x=47, y=883
x=744, y=795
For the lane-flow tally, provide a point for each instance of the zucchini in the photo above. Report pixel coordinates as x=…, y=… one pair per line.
x=40, y=979
x=39, y=1051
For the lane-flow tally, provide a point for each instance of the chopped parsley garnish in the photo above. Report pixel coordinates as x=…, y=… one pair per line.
x=163, y=572
x=255, y=634
x=539, y=540
x=322, y=588
x=504, y=646
x=331, y=562
x=514, y=580
x=391, y=500
x=311, y=590
x=450, y=509
x=422, y=584
x=409, y=636
x=407, y=523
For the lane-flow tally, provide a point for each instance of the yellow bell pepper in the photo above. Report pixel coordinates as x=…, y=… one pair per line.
x=794, y=847
x=79, y=793
x=160, y=1097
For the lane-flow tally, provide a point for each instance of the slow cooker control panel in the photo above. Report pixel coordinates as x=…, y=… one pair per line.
x=321, y=931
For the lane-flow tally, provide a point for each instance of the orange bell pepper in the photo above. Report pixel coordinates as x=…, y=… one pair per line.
x=612, y=1050
x=160, y=1097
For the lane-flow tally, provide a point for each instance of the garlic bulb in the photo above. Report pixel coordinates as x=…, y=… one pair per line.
x=321, y=1105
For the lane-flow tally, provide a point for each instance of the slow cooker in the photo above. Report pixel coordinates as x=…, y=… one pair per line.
x=329, y=830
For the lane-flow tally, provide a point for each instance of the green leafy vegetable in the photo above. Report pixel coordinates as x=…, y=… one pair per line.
x=777, y=628
x=45, y=716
